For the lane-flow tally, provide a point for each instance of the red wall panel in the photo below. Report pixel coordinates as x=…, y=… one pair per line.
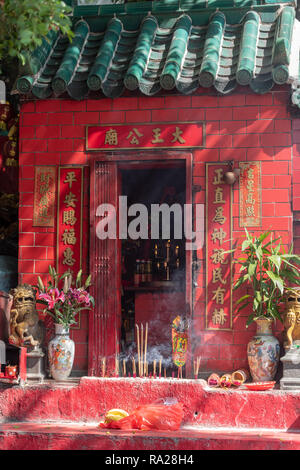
x=240, y=127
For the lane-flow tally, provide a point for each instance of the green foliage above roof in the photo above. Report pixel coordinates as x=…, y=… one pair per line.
x=167, y=45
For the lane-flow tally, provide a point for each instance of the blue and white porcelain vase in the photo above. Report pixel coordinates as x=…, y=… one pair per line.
x=263, y=352
x=61, y=351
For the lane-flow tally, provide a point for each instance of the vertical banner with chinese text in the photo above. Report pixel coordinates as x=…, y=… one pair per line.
x=69, y=219
x=218, y=242
x=44, y=196
x=250, y=194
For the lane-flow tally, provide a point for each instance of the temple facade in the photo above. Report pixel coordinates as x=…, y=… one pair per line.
x=188, y=103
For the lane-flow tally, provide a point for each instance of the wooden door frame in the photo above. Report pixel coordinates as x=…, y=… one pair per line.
x=129, y=158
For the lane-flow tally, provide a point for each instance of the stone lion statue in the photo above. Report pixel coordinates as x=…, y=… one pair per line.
x=291, y=318
x=25, y=325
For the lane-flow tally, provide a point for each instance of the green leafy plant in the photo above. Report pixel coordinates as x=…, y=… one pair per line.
x=63, y=304
x=24, y=24
x=268, y=270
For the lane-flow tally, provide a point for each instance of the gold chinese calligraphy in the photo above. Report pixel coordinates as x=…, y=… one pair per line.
x=218, y=243
x=250, y=194
x=44, y=196
x=69, y=219
x=142, y=136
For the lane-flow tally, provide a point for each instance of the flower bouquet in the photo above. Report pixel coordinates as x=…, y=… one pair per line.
x=63, y=304
x=63, y=300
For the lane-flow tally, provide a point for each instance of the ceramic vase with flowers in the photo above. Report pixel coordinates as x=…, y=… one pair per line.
x=266, y=270
x=63, y=305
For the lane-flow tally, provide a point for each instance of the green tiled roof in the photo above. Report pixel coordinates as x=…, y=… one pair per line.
x=169, y=45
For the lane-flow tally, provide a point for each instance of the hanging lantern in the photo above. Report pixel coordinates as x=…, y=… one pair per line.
x=232, y=174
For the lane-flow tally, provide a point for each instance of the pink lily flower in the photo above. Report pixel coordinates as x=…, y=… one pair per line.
x=53, y=297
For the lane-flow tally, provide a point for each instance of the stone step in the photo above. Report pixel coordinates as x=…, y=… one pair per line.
x=88, y=400
x=53, y=436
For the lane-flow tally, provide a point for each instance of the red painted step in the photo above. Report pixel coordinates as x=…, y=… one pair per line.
x=33, y=436
x=92, y=397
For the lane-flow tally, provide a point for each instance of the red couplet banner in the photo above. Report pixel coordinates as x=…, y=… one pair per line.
x=69, y=219
x=218, y=242
x=44, y=196
x=145, y=136
x=250, y=194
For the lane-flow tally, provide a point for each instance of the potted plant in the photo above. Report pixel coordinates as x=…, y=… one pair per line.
x=63, y=304
x=266, y=270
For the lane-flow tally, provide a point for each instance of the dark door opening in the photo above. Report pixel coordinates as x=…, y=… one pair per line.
x=114, y=290
x=153, y=270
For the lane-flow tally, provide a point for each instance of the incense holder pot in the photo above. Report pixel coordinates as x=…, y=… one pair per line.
x=263, y=352
x=61, y=351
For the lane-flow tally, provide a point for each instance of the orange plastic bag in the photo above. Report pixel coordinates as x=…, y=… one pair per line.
x=148, y=417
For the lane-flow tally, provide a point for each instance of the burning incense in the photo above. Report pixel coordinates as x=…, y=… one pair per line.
x=159, y=368
x=196, y=367
x=124, y=368
x=154, y=368
x=103, y=366
x=179, y=373
x=142, y=347
x=116, y=366
x=165, y=373
x=142, y=344
x=145, y=354
x=133, y=368
x=138, y=347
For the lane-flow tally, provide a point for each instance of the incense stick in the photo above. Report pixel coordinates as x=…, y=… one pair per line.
x=196, y=366
x=154, y=368
x=159, y=370
x=138, y=347
x=146, y=342
x=133, y=367
x=142, y=347
x=116, y=366
x=124, y=368
x=103, y=366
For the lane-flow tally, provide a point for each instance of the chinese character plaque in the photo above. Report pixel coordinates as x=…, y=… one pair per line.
x=145, y=136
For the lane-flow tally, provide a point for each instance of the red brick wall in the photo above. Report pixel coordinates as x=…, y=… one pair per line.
x=239, y=127
x=296, y=182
